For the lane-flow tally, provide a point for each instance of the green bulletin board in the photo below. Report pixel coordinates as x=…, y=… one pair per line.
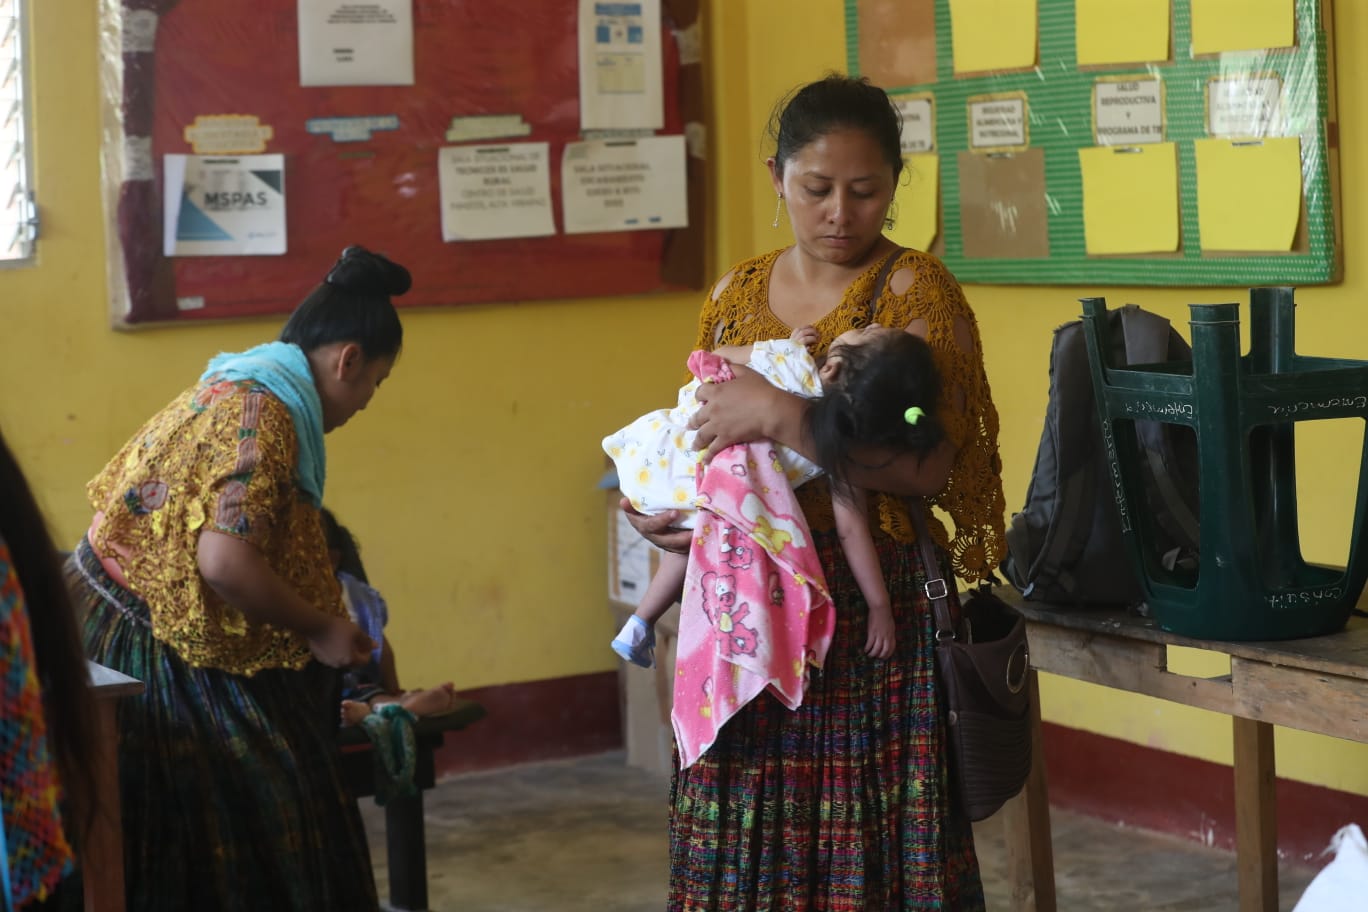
x=1117, y=171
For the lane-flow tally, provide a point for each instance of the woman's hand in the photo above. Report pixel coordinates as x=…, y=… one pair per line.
x=744, y=409
x=659, y=529
x=339, y=643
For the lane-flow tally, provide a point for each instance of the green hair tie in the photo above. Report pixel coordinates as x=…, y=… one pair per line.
x=913, y=415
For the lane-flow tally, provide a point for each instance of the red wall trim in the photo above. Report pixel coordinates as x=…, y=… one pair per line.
x=536, y=720
x=1144, y=787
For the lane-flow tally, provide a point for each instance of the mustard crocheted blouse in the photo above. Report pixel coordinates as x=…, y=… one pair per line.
x=741, y=315
x=223, y=457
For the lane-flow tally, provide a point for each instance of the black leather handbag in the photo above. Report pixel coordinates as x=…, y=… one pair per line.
x=982, y=666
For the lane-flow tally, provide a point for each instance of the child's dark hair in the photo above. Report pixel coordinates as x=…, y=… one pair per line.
x=833, y=103
x=341, y=540
x=352, y=304
x=867, y=404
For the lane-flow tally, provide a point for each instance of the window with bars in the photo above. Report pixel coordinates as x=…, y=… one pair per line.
x=18, y=221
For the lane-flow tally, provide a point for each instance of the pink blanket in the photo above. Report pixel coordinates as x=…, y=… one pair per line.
x=755, y=611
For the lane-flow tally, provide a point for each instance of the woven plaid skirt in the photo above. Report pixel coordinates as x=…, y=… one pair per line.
x=231, y=791
x=843, y=805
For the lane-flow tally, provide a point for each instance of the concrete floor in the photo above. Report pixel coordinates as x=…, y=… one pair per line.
x=588, y=835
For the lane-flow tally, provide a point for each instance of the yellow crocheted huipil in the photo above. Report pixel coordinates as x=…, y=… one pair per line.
x=973, y=495
x=221, y=457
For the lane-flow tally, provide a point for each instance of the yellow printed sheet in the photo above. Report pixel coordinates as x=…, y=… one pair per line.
x=1242, y=25
x=917, y=202
x=1248, y=193
x=1130, y=198
x=993, y=34
x=1121, y=31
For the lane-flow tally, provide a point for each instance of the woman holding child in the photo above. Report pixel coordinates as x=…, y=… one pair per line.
x=205, y=574
x=843, y=804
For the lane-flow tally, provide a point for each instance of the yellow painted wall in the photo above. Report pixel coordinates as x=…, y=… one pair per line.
x=470, y=479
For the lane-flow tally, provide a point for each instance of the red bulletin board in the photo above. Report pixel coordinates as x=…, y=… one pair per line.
x=169, y=61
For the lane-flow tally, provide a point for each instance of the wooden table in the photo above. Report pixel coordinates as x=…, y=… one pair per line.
x=405, y=834
x=1318, y=685
x=102, y=867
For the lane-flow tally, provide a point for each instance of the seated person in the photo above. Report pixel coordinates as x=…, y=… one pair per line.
x=376, y=683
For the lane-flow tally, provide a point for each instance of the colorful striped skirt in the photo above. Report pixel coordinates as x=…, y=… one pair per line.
x=231, y=790
x=843, y=805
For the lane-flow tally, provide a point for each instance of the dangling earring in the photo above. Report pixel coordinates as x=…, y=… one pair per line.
x=891, y=216
x=778, y=205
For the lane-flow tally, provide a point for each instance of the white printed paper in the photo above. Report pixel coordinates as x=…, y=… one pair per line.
x=216, y=206
x=1246, y=107
x=997, y=123
x=501, y=191
x=918, y=124
x=1128, y=113
x=361, y=42
x=620, y=69
x=624, y=185
x=630, y=572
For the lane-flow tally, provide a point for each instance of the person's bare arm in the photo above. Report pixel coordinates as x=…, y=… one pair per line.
x=750, y=408
x=735, y=354
x=241, y=576
x=389, y=668
x=852, y=526
x=658, y=529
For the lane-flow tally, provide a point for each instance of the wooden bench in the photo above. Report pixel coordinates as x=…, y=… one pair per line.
x=1319, y=684
x=405, y=838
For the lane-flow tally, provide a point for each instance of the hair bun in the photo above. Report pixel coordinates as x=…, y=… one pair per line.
x=358, y=270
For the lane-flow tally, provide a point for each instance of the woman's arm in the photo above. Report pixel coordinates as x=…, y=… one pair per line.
x=658, y=529
x=750, y=408
x=240, y=575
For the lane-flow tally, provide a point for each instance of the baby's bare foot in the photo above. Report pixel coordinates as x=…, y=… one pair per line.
x=353, y=711
x=431, y=702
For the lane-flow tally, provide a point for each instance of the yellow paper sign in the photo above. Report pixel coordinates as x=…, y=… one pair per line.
x=1248, y=193
x=1121, y=31
x=227, y=134
x=917, y=214
x=1130, y=198
x=993, y=34
x=1242, y=25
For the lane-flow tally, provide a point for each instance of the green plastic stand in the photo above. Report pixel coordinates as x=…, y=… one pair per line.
x=1250, y=582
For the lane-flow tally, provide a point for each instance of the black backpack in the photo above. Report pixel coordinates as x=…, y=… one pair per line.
x=1066, y=545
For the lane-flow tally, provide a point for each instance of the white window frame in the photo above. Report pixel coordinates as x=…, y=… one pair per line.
x=18, y=212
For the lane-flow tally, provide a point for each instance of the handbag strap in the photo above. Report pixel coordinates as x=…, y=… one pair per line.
x=881, y=280
x=937, y=591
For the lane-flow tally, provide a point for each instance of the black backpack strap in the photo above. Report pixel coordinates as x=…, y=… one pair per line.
x=1147, y=338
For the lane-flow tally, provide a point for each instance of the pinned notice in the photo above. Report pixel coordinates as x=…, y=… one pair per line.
x=1127, y=112
x=495, y=191
x=620, y=70
x=917, y=202
x=998, y=123
x=227, y=134
x=1247, y=106
x=918, y=123
x=1242, y=25
x=993, y=34
x=355, y=43
x=624, y=185
x=223, y=206
x=1130, y=198
x=1248, y=193
x=1121, y=31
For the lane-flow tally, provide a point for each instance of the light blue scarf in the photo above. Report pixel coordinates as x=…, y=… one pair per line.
x=284, y=370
